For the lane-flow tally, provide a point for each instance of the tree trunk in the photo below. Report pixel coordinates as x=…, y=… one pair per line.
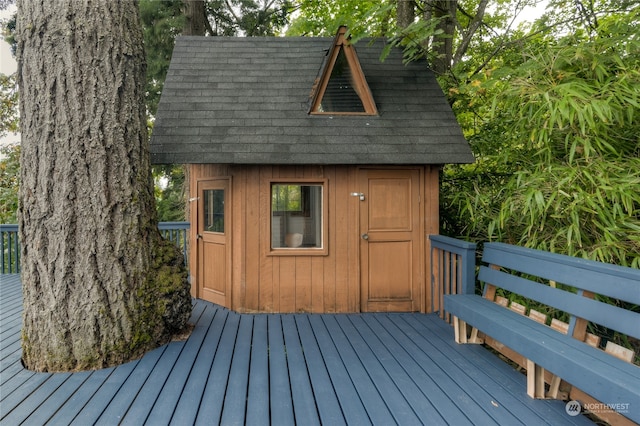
x=445, y=10
x=406, y=13
x=471, y=30
x=100, y=285
x=195, y=14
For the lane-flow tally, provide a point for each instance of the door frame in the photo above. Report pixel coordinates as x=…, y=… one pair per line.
x=202, y=184
x=418, y=243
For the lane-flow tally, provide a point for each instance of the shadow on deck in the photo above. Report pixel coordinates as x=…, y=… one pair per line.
x=279, y=369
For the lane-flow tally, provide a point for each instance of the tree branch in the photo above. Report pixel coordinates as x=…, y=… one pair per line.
x=471, y=31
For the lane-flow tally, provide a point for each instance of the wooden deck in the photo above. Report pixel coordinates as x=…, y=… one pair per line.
x=278, y=369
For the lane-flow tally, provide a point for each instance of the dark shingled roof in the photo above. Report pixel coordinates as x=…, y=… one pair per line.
x=246, y=100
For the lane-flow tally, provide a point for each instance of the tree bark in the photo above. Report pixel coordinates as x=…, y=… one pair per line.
x=195, y=14
x=406, y=13
x=445, y=10
x=468, y=34
x=100, y=285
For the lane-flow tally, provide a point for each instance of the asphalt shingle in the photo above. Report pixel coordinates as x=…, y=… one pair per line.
x=246, y=100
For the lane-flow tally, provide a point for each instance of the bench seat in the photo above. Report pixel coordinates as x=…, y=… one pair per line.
x=610, y=380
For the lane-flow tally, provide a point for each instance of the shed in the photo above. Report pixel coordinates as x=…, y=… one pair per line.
x=313, y=171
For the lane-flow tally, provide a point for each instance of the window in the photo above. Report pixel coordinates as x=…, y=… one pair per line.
x=341, y=94
x=341, y=87
x=297, y=216
x=214, y=210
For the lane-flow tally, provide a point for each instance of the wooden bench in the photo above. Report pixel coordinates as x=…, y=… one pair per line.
x=610, y=380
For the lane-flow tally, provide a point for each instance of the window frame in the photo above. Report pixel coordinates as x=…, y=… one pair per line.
x=296, y=251
x=213, y=212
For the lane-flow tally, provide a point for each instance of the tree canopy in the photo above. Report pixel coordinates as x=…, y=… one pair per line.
x=555, y=126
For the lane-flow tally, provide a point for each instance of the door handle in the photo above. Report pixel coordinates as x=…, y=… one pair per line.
x=365, y=236
x=199, y=236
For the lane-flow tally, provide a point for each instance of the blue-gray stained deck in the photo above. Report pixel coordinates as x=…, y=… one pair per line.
x=278, y=369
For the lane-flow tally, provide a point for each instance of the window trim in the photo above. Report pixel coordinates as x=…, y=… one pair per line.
x=296, y=251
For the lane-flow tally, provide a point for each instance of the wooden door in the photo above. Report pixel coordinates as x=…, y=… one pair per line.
x=390, y=274
x=214, y=230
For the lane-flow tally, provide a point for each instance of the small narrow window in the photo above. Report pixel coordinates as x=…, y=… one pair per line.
x=296, y=216
x=214, y=210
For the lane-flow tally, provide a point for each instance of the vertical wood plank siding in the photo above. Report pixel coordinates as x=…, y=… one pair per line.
x=263, y=282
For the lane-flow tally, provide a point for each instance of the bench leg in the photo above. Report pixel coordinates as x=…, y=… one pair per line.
x=474, y=337
x=535, y=380
x=460, y=330
x=554, y=387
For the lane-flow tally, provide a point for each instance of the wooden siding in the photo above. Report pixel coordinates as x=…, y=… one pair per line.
x=278, y=369
x=266, y=282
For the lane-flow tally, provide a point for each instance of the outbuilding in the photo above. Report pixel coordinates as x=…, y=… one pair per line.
x=313, y=171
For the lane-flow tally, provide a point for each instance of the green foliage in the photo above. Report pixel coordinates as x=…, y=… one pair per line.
x=323, y=18
x=169, y=192
x=8, y=104
x=162, y=21
x=248, y=17
x=9, y=28
x=9, y=181
x=556, y=136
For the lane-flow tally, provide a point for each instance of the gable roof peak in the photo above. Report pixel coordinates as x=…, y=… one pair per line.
x=341, y=87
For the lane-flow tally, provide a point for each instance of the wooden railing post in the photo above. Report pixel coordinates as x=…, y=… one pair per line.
x=453, y=269
x=468, y=267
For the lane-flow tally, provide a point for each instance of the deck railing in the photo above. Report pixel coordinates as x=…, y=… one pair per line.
x=453, y=269
x=9, y=249
x=178, y=232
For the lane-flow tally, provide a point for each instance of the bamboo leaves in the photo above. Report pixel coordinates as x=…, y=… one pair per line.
x=561, y=130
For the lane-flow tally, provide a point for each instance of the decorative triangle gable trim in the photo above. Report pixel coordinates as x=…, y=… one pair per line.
x=342, y=88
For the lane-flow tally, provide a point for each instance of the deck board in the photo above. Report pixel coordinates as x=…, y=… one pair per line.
x=380, y=368
x=458, y=371
x=279, y=390
x=62, y=394
x=327, y=404
x=233, y=410
x=80, y=398
x=304, y=406
x=394, y=365
x=373, y=402
x=265, y=369
x=215, y=386
x=121, y=401
x=168, y=398
x=352, y=408
x=100, y=399
x=257, y=394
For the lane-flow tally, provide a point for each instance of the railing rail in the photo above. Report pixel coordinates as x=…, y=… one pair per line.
x=9, y=249
x=453, y=269
x=178, y=232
